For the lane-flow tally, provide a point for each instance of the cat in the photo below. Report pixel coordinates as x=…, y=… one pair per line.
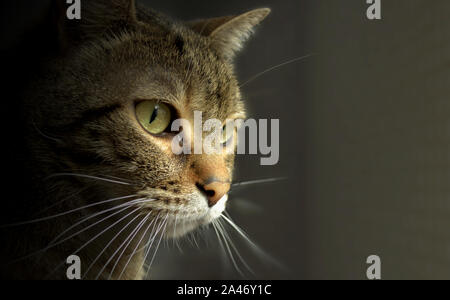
x=105, y=183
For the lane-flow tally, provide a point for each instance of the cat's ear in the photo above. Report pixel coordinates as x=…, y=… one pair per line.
x=228, y=34
x=97, y=18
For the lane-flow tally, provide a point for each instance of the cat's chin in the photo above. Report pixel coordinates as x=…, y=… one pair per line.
x=178, y=228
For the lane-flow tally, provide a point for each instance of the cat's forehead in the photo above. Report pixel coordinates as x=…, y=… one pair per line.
x=187, y=73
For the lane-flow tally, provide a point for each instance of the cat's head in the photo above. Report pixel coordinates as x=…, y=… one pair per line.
x=126, y=74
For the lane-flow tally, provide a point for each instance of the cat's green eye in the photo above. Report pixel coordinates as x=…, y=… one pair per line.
x=154, y=116
x=227, y=134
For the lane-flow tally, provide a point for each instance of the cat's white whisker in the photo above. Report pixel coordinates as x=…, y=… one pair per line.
x=227, y=236
x=126, y=205
x=226, y=248
x=86, y=272
x=62, y=201
x=118, y=179
x=67, y=212
x=157, y=246
x=260, y=181
x=55, y=241
x=87, y=177
x=254, y=247
x=95, y=237
x=152, y=238
x=153, y=222
x=175, y=227
x=195, y=240
x=218, y=238
x=124, y=247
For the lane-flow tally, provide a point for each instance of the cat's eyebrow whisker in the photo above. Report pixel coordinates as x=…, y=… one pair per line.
x=67, y=212
x=277, y=67
x=87, y=177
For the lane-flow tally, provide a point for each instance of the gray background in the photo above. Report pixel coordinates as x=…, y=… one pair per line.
x=364, y=140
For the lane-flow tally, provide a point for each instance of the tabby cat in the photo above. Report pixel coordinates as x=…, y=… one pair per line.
x=105, y=183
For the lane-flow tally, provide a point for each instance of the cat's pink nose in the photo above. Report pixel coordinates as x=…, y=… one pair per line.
x=216, y=191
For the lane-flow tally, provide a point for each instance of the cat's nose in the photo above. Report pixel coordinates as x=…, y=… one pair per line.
x=215, y=191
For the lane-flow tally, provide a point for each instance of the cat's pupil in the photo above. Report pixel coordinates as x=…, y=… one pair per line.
x=154, y=114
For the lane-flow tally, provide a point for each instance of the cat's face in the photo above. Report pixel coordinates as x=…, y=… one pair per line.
x=115, y=98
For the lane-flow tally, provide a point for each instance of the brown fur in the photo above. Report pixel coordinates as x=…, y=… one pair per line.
x=81, y=120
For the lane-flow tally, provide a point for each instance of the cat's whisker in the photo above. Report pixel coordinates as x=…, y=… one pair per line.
x=237, y=185
x=46, y=136
x=175, y=228
x=118, y=179
x=103, y=176
x=239, y=230
x=227, y=236
x=276, y=67
x=225, y=256
x=152, y=238
x=87, y=177
x=230, y=250
x=147, y=247
x=124, y=247
x=62, y=201
x=86, y=272
x=265, y=256
x=126, y=205
x=55, y=241
x=195, y=240
x=157, y=246
x=260, y=181
x=95, y=237
x=176, y=239
x=135, y=250
x=226, y=248
x=67, y=212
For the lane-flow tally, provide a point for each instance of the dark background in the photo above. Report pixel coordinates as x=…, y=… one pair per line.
x=365, y=134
